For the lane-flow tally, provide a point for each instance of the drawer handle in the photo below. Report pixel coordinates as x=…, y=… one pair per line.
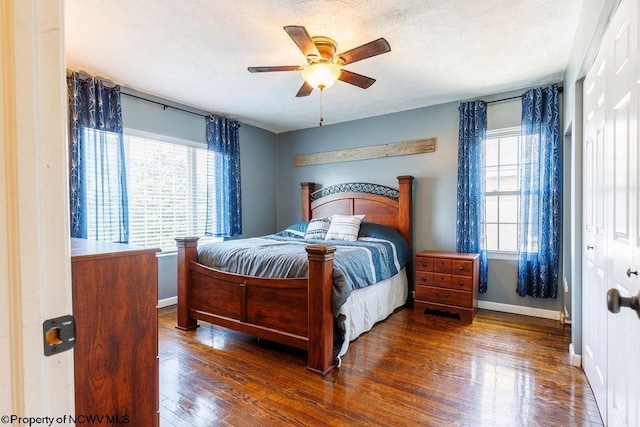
x=442, y=296
x=461, y=268
x=424, y=279
x=424, y=264
x=461, y=283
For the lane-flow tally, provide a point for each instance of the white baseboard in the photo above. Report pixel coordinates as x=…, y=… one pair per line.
x=518, y=309
x=564, y=317
x=576, y=359
x=167, y=302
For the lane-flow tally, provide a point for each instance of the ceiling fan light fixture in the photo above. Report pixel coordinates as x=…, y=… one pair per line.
x=321, y=75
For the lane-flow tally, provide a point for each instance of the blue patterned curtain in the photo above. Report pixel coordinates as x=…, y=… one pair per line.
x=224, y=207
x=97, y=178
x=470, y=228
x=540, y=194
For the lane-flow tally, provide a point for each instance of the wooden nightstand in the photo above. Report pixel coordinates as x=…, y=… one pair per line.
x=447, y=282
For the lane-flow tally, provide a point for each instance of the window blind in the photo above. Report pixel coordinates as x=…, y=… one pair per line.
x=166, y=187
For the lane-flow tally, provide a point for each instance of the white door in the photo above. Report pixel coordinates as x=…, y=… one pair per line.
x=612, y=222
x=35, y=278
x=623, y=389
x=594, y=312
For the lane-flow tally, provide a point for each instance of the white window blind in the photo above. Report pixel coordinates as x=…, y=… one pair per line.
x=166, y=189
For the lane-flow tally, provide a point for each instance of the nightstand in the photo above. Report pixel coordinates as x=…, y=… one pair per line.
x=447, y=282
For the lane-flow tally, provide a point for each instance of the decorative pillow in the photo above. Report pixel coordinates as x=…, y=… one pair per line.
x=344, y=227
x=317, y=228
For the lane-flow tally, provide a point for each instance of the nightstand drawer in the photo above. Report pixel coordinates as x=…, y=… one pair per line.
x=464, y=283
x=463, y=268
x=424, y=264
x=443, y=296
x=424, y=278
x=440, y=279
x=442, y=265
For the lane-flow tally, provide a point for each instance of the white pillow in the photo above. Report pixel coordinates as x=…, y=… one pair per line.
x=344, y=227
x=317, y=228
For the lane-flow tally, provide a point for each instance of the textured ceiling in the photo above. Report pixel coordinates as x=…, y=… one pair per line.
x=197, y=52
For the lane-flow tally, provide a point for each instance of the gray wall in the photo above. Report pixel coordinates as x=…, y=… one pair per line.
x=435, y=173
x=257, y=163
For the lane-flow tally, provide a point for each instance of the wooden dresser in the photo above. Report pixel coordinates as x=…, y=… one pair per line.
x=115, y=294
x=447, y=282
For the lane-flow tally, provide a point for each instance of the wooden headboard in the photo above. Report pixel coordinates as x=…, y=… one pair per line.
x=381, y=204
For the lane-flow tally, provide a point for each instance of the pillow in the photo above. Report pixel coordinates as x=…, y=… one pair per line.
x=372, y=231
x=298, y=226
x=317, y=228
x=344, y=227
x=294, y=230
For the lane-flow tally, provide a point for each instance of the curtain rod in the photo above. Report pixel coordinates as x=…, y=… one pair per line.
x=516, y=97
x=164, y=106
x=504, y=99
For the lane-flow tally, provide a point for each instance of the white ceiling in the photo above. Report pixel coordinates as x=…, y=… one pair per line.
x=197, y=52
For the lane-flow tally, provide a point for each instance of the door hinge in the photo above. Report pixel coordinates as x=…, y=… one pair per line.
x=58, y=334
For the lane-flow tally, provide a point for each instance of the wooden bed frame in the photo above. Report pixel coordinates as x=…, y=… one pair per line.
x=254, y=305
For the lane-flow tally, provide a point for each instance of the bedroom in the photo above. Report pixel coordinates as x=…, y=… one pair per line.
x=436, y=183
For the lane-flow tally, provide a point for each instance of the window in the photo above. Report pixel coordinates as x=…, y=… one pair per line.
x=166, y=189
x=502, y=185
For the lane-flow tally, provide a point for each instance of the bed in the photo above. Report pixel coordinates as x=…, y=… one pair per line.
x=299, y=311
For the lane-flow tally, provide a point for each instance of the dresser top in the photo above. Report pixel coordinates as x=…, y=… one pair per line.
x=81, y=248
x=440, y=254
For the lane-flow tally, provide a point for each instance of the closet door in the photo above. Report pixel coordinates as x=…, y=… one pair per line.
x=623, y=390
x=594, y=324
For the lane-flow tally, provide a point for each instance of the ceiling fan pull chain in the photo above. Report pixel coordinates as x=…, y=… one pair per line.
x=321, y=92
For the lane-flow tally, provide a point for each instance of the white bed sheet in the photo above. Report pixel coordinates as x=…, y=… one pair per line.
x=369, y=305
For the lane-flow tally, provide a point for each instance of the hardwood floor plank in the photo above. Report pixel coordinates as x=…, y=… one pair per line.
x=503, y=370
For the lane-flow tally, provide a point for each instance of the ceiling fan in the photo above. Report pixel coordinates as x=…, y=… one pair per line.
x=324, y=65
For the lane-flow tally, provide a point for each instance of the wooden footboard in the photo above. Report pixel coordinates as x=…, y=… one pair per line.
x=295, y=312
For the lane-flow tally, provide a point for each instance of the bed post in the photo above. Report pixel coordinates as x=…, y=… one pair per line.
x=405, y=187
x=320, y=352
x=187, y=252
x=307, y=189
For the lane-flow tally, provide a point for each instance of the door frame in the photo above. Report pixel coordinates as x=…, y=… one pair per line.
x=35, y=270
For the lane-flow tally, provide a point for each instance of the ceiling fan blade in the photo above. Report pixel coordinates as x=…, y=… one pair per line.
x=365, y=51
x=356, y=79
x=276, y=68
x=303, y=40
x=305, y=90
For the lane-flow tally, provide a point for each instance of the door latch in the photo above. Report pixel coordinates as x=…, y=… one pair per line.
x=58, y=334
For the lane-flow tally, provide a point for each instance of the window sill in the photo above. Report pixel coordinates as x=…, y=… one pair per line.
x=512, y=256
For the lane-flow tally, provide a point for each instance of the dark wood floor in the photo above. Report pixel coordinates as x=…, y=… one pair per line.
x=412, y=369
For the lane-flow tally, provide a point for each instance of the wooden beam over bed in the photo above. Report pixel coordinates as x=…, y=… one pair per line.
x=416, y=146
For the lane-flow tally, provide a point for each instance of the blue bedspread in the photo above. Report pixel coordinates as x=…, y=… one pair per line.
x=378, y=254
